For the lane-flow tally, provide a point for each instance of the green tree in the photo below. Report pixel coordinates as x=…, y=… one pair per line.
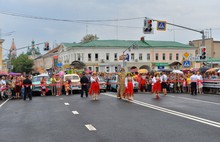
x=89, y=37
x=22, y=64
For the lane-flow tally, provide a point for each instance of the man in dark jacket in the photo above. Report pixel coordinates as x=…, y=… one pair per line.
x=27, y=84
x=84, y=85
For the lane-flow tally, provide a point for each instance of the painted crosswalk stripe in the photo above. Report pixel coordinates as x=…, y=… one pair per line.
x=66, y=104
x=4, y=102
x=75, y=112
x=180, y=114
x=90, y=127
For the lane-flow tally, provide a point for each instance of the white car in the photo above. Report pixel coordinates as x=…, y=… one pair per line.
x=75, y=81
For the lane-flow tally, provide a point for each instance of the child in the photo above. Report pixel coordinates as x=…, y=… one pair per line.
x=67, y=87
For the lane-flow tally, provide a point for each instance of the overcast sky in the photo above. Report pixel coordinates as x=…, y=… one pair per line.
x=196, y=14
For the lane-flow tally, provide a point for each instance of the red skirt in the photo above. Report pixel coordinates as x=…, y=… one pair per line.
x=130, y=89
x=156, y=87
x=94, y=88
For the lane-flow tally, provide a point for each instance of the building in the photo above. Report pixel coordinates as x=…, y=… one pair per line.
x=107, y=55
x=1, y=41
x=33, y=52
x=212, y=50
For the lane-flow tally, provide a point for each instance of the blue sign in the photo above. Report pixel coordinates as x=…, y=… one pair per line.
x=160, y=67
x=161, y=25
x=186, y=64
x=59, y=64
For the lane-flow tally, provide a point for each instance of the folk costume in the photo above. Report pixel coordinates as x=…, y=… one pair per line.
x=94, y=88
x=156, y=86
x=121, y=84
x=129, y=91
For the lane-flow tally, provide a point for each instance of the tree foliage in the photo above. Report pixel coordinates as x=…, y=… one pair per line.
x=89, y=37
x=22, y=64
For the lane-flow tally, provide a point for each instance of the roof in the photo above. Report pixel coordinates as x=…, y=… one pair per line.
x=127, y=43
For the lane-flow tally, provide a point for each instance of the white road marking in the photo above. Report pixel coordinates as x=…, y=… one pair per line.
x=66, y=104
x=4, y=102
x=195, y=100
x=75, y=112
x=90, y=127
x=61, y=98
x=180, y=114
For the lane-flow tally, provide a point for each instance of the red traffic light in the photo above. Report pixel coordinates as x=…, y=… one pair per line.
x=203, y=49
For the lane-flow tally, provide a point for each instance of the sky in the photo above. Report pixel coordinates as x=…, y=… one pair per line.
x=196, y=14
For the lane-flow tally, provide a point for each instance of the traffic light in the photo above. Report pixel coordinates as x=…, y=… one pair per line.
x=148, y=29
x=203, y=53
x=47, y=47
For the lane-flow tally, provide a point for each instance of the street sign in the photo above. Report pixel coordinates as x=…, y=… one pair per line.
x=186, y=64
x=161, y=25
x=160, y=67
x=194, y=58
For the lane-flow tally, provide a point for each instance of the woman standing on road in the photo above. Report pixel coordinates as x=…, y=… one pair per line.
x=157, y=85
x=43, y=85
x=58, y=84
x=129, y=88
x=94, y=89
x=18, y=87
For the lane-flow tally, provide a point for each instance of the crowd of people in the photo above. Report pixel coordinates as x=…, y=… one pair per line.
x=156, y=82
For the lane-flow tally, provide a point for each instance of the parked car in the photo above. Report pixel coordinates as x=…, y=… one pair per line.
x=36, y=89
x=75, y=81
x=114, y=86
x=102, y=84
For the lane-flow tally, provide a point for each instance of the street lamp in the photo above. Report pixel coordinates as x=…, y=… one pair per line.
x=133, y=46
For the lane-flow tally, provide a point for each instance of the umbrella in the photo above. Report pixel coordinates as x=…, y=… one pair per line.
x=212, y=70
x=2, y=73
x=142, y=71
x=177, y=71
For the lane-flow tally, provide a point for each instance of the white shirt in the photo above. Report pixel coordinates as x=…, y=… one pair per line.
x=163, y=78
x=193, y=78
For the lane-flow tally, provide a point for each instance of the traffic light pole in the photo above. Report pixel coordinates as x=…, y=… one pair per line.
x=201, y=32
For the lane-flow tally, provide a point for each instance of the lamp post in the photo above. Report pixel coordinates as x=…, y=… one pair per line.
x=133, y=46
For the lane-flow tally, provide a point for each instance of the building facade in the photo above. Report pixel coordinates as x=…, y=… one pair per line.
x=107, y=55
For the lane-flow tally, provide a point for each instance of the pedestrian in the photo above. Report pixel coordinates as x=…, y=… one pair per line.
x=164, y=79
x=18, y=84
x=94, y=89
x=121, y=84
x=53, y=85
x=129, y=87
x=84, y=85
x=27, y=84
x=43, y=85
x=193, y=80
x=58, y=84
x=156, y=85
x=143, y=83
x=67, y=87
x=199, y=83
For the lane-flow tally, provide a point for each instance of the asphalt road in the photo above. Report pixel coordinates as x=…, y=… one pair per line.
x=173, y=118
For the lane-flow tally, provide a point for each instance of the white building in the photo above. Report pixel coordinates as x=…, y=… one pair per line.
x=104, y=55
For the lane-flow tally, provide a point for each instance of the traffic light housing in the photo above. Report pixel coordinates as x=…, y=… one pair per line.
x=203, y=53
x=148, y=29
x=46, y=46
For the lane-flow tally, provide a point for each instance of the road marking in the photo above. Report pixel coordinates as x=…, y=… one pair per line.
x=61, y=98
x=67, y=104
x=75, y=112
x=176, y=113
x=90, y=127
x=195, y=100
x=4, y=102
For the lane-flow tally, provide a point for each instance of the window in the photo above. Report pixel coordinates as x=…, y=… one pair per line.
x=157, y=56
x=164, y=56
x=96, y=56
x=107, y=69
x=148, y=56
x=177, y=56
x=96, y=69
x=107, y=56
x=89, y=57
x=90, y=68
x=116, y=69
x=78, y=56
x=132, y=56
x=140, y=56
x=171, y=56
x=116, y=56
